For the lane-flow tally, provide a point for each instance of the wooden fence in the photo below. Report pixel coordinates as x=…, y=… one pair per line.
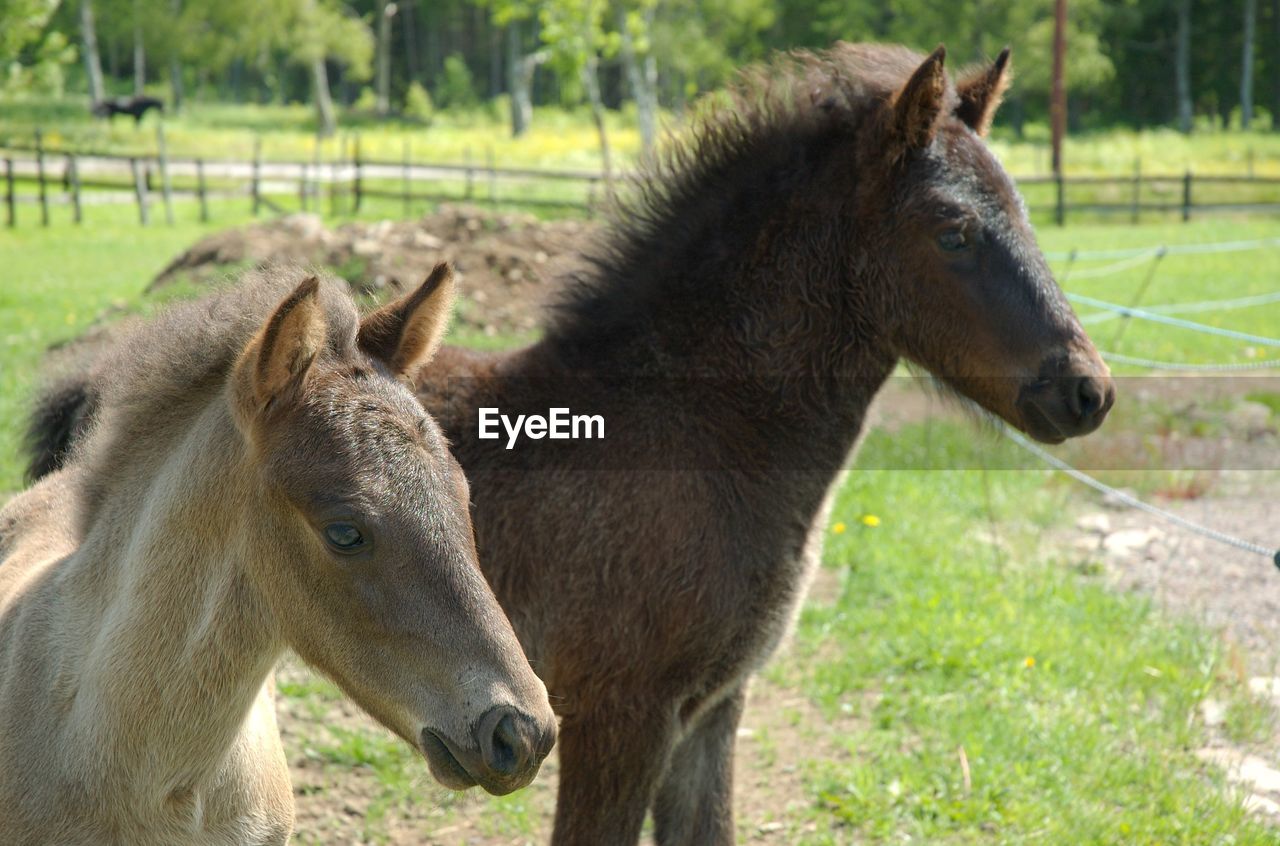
x=37, y=175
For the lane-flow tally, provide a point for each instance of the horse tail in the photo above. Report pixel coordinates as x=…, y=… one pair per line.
x=60, y=419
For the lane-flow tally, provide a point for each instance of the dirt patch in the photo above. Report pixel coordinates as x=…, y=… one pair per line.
x=507, y=264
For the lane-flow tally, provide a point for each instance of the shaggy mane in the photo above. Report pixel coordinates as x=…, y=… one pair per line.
x=773, y=121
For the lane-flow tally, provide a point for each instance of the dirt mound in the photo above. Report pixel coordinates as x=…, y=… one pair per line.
x=508, y=265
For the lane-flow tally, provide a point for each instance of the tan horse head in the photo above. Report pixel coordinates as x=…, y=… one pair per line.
x=364, y=545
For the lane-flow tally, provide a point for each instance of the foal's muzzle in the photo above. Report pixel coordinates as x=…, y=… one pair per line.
x=1068, y=400
x=505, y=751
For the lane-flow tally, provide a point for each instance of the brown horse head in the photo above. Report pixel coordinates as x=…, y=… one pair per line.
x=986, y=315
x=364, y=542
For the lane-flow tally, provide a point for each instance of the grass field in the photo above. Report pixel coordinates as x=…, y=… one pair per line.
x=953, y=624
x=561, y=138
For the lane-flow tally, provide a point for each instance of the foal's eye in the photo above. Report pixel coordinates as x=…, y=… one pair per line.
x=343, y=537
x=953, y=240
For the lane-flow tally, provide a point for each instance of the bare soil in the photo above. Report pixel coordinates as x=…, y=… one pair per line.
x=507, y=265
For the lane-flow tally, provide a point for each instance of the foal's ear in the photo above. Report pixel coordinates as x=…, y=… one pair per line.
x=918, y=104
x=279, y=357
x=404, y=334
x=981, y=92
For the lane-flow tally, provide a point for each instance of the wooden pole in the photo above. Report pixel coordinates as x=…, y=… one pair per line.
x=333, y=184
x=302, y=187
x=140, y=191
x=314, y=187
x=10, y=200
x=493, y=175
x=257, y=175
x=1058, y=92
x=73, y=177
x=1186, y=196
x=44, y=191
x=408, y=183
x=357, y=187
x=165, y=185
x=466, y=154
x=1136, y=198
x=1060, y=205
x=201, y=192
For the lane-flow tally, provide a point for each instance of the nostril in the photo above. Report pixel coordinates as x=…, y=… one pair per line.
x=1090, y=396
x=501, y=742
x=505, y=740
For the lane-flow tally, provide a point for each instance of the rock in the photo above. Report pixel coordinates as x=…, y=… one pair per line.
x=1265, y=687
x=1128, y=541
x=1250, y=418
x=1213, y=712
x=1097, y=523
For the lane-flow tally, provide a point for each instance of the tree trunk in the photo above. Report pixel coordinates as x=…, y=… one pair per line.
x=1182, y=66
x=326, y=123
x=642, y=79
x=409, y=28
x=385, y=11
x=1246, y=63
x=1275, y=51
x=591, y=81
x=92, y=61
x=139, y=54
x=175, y=63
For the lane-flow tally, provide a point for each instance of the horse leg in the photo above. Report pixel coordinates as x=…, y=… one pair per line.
x=695, y=802
x=610, y=765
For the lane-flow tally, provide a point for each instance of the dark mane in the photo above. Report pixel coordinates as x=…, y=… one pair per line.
x=156, y=375
x=764, y=136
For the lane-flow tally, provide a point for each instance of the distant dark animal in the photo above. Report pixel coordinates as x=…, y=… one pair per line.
x=136, y=106
x=838, y=215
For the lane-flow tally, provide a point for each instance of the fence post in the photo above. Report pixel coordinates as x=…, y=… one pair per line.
x=466, y=155
x=493, y=175
x=1186, y=196
x=302, y=186
x=408, y=185
x=1137, y=190
x=44, y=191
x=139, y=191
x=1060, y=205
x=10, y=201
x=314, y=187
x=256, y=188
x=357, y=187
x=165, y=185
x=201, y=194
x=333, y=183
x=73, y=176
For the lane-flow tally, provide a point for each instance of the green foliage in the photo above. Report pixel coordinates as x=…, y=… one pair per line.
x=45, y=74
x=456, y=88
x=21, y=22
x=417, y=103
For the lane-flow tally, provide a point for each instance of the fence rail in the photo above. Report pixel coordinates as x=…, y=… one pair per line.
x=45, y=177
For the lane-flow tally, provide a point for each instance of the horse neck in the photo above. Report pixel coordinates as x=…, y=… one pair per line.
x=769, y=293
x=177, y=642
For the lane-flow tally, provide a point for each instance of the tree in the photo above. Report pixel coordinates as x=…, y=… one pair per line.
x=21, y=23
x=386, y=11
x=1246, y=63
x=574, y=33
x=1182, y=65
x=89, y=50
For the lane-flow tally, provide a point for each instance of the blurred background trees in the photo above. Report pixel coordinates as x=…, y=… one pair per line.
x=1129, y=62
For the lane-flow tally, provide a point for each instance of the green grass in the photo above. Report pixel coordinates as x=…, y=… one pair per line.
x=566, y=138
x=1073, y=705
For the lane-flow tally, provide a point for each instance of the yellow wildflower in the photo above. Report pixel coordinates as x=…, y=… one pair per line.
x=838, y=528
x=870, y=520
